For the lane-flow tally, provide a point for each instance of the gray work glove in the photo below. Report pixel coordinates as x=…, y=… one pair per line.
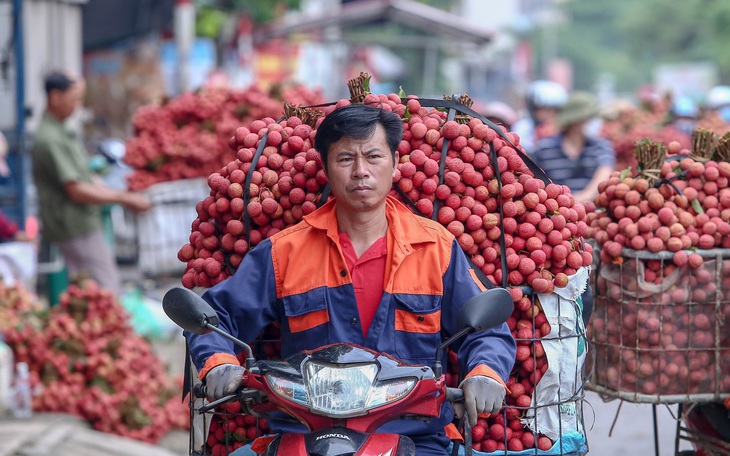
x=481, y=395
x=223, y=380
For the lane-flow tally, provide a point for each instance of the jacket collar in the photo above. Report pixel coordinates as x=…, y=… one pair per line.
x=51, y=118
x=403, y=225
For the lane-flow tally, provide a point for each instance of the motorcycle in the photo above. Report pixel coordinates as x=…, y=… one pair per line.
x=707, y=426
x=341, y=392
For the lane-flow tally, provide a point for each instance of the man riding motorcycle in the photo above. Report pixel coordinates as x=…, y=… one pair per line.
x=361, y=269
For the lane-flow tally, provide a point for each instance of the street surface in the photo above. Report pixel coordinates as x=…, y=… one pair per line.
x=633, y=432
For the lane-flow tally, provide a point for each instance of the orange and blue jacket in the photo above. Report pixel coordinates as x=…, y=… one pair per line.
x=299, y=278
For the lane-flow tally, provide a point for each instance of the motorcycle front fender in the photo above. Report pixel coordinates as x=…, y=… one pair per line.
x=341, y=441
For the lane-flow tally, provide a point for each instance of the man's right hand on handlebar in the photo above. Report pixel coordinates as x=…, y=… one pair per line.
x=481, y=395
x=223, y=380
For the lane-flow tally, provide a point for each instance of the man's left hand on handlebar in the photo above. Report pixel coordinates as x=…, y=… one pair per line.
x=481, y=395
x=223, y=380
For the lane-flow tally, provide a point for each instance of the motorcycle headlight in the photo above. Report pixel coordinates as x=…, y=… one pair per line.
x=288, y=388
x=340, y=391
x=386, y=392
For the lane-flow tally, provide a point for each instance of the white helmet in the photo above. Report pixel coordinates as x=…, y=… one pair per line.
x=546, y=94
x=500, y=111
x=718, y=97
x=684, y=107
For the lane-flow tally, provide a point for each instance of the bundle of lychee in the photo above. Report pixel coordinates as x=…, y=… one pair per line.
x=18, y=306
x=85, y=359
x=505, y=430
x=186, y=137
x=517, y=228
x=230, y=428
x=676, y=204
x=664, y=273
x=628, y=128
x=468, y=176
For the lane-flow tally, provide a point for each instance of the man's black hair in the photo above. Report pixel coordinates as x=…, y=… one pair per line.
x=58, y=80
x=357, y=121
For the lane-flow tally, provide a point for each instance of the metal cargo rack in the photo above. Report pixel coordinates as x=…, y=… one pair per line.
x=623, y=341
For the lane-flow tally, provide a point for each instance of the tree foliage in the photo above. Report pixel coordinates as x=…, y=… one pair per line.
x=629, y=38
x=261, y=11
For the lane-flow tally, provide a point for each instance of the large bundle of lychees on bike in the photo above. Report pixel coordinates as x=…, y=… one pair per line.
x=519, y=229
x=479, y=201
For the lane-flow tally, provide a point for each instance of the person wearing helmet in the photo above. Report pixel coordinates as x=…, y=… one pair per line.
x=717, y=105
x=544, y=101
x=500, y=113
x=683, y=115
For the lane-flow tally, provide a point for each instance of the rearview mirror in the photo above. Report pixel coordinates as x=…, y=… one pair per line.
x=189, y=311
x=480, y=313
x=486, y=310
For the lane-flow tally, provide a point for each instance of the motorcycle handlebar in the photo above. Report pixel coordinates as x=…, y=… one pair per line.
x=200, y=391
x=454, y=395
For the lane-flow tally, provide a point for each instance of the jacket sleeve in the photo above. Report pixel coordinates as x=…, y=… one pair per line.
x=486, y=353
x=245, y=306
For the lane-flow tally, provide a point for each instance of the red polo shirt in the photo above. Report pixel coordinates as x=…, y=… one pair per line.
x=368, y=277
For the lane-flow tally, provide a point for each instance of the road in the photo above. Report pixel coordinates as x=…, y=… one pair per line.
x=633, y=432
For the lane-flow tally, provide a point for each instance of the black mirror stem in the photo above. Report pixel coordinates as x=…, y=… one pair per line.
x=437, y=366
x=249, y=353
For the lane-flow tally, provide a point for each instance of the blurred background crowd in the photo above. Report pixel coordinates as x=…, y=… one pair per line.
x=518, y=60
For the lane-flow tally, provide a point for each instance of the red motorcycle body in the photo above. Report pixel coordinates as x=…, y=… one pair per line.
x=338, y=441
x=342, y=433
x=710, y=425
x=341, y=393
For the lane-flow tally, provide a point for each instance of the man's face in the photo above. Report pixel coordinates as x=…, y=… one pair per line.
x=546, y=115
x=64, y=103
x=360, y=171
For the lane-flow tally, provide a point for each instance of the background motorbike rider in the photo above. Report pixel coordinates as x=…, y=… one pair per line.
x=683, y=115
x=361, y=269
x=544, y=100
x=716, y=110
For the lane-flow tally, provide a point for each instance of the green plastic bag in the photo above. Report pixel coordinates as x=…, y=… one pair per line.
x=146, y=315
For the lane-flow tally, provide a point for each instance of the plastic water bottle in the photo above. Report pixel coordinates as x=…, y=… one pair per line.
x=6, y=377
x=23, y=407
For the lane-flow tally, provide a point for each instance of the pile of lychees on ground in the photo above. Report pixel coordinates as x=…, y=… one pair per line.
x=85, y=359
